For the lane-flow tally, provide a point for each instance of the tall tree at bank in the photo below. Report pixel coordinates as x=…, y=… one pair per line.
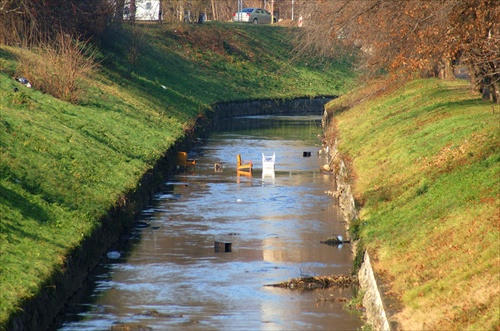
x=427, y=38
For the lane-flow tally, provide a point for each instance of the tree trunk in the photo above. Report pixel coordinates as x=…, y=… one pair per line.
x=486, y=88
x=495, y=87
x=132, y=11
x=120, y=4
x=214, y=14
x=160, y=12
x=446, y=70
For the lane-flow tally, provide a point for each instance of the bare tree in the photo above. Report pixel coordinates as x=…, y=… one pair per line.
x=222, y=10
x=408, y=37
x=17, y=24
x=27, y=20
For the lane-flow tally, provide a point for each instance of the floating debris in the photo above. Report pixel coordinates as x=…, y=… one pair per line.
x=222, y=247
x=130, y=327
x=155, y=313
x=325, y=168
x=113, y=255
x=333, y=299
x=335, y=241
x=315, y=282
x=218, y=167
x=142, y=225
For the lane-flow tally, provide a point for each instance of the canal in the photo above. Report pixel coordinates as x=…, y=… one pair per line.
x=168, y=276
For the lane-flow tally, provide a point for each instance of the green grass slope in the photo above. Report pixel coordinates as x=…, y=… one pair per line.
x=64, y=166
x=426, y=165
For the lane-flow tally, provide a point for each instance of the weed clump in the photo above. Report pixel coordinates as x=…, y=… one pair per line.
x=61, y=67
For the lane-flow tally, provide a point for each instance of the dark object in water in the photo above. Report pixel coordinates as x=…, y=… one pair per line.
x=335, y=241
x=306, y=154
x=220, y=247
x=315, y=282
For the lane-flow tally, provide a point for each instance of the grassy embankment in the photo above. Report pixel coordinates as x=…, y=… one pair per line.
x=426, y=166
x=64, y=166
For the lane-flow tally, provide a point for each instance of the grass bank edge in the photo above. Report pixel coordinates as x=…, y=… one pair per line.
x=425, y=159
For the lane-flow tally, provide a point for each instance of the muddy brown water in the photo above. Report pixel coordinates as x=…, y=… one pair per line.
x=171, y=278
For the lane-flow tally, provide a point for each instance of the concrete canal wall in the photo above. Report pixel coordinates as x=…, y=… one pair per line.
x=373, y=301
x=299, y=106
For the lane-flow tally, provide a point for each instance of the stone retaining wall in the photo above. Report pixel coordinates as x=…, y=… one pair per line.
x=372, y=300
x=270, y=107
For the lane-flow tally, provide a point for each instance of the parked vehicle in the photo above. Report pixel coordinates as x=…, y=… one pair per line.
x=253, y=15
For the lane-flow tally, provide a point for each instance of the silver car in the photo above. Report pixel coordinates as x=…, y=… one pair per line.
x=253, y=15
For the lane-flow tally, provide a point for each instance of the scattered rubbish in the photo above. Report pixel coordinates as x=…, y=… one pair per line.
x=142, y=225
x=324, y=150
x=333, y=299
x=314, y=282
x=325, y=168
x=155, y=313
x=218, y=167
x=221, y=247
x=113, y=255
x=24, y=81
x=130, y=327
x=335, y=241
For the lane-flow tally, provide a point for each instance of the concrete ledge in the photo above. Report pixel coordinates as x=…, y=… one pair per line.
x=372, y=300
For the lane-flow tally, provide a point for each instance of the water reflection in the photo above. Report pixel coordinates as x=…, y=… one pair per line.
x=274, y=224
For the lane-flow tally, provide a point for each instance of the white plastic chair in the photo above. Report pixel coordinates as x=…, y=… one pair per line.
x=268, y=161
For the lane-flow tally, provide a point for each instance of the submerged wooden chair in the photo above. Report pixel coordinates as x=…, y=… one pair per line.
x=243, y=165
x=183, y=162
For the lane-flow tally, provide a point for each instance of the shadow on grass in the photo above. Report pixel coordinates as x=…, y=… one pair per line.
x=27, y=209
x=7, y=55
x=7, y=59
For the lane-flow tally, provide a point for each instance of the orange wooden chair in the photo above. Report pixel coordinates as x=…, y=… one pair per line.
x=243, y=165
x=183, y=162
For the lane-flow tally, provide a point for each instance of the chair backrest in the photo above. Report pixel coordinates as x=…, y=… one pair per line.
x=268, y=159
x=238, y=158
